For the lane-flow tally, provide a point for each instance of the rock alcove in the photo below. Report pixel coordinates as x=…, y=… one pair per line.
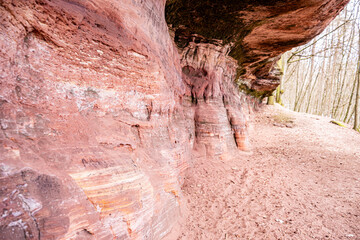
x=102, y=110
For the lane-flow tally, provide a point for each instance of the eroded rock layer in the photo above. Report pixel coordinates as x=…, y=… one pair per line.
x=257, y=31
x=221, y=111
x=89, y=119
x=101, y=114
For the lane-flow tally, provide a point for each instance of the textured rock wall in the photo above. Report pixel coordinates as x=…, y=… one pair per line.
x=256, y=31
x=101, y=115
x=90, y=113
x=221, y=111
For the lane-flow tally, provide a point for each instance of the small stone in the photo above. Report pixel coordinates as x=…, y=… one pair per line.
x=350, y=235
x=279, y=221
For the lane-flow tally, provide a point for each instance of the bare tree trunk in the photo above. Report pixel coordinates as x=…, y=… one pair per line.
x=356, y=110
x=340, y=90
x=311, y=93
x=324, y=73
x=283, y=67
x=304, y=88
x=271, y=99
x=350, y=103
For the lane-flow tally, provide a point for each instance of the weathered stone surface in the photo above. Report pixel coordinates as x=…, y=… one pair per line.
x=257, y=31
x=101, y=115
x=221, y=111
x=89, y=97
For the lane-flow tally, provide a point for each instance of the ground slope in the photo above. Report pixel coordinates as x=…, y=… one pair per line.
x=301, y=181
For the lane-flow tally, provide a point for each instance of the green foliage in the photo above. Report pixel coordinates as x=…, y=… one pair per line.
x=338, y=123
x=271, y=100
x=244, y=87
x=283, y=118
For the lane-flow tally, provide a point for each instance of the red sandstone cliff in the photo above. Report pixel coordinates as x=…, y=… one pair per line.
x=101, y=114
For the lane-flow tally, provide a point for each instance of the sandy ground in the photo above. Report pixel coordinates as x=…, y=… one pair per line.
x=301, y=181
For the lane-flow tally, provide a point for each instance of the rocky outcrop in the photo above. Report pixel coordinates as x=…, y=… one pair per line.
x=101, y=114
x=221, y=111
x=256, y=31
x=89, y=119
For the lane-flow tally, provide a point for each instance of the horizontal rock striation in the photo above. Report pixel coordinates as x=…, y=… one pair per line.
x=257, y=31
x=221, y=111
x=101, y=113
x=89, y=113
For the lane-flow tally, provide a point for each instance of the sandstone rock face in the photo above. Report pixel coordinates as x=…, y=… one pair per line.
x=101, y=114
x=220, y=110
x=90, y=113
x=257, y=31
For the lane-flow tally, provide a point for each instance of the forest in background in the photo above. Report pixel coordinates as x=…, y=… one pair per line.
x=322, y=77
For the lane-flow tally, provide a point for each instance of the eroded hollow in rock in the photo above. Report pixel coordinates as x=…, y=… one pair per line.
x=256, y=32
x=103, y=109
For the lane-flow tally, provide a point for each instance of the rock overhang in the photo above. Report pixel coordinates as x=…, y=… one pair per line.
x=256, y=31
x=92, y=106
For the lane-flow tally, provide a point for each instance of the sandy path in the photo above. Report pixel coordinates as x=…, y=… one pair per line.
x=301, y=182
